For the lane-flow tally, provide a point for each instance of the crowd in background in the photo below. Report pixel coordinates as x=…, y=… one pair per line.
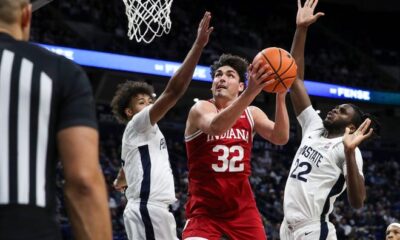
x=331, y=56
x=334, y=54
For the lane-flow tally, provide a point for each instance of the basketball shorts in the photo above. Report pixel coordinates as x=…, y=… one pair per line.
x=247, y=225
x=149, y=221
x=309, y=230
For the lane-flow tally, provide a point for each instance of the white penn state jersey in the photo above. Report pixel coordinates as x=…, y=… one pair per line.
x=318, y=171
x=146, y=162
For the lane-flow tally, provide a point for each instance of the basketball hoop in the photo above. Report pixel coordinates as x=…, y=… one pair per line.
x=148, y=19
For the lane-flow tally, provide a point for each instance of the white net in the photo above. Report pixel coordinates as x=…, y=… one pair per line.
x=148, y=19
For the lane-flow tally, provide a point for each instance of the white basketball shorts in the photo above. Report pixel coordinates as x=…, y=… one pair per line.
x=149, y=221
x=310, y=230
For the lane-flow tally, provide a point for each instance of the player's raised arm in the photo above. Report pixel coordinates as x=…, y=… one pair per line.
x=305, y=17
x=180, y=81
x=276, y=132
x=355, y=182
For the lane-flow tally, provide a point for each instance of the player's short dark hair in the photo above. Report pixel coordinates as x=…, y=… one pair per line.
x=8, y=10
x=360, y=116
x=238, y=63
x=123, y=95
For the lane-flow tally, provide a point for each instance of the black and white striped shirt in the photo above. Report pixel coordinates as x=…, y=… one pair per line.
x=40, y=94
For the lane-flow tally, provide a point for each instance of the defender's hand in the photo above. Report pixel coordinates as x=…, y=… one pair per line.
x=204, y=30
x=119, y=186
x=352, y=140
x=305, y=15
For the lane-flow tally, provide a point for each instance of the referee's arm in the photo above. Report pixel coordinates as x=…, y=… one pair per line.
x=78, y=142
x=85, y=188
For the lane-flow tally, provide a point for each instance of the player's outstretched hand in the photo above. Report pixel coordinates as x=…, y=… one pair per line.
x=204, y=30
x=305, y=14
x=351, y=141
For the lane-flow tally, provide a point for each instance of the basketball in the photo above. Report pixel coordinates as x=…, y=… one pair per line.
x=282, y=64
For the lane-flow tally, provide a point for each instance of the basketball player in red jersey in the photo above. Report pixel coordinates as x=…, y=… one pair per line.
x=218, y=137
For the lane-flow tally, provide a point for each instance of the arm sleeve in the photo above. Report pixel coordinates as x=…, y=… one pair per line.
x=141, y=121
x=76, y=105
x=359, y=161
x=309, y=120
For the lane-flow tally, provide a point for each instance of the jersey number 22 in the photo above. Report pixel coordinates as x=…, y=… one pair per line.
x=302, y=172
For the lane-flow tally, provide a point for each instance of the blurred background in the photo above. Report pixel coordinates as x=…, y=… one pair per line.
x=354, y=45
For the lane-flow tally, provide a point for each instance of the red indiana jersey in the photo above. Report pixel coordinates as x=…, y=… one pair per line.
x=219, y=167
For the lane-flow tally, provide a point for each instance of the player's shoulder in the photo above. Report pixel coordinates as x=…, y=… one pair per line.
x=256, y=114
x=130, y=132
x=205, y=103
x=254, y=110
x=309, y=113
x=144, y=113
x=203, y=106
x=340, y=146
x=140, y=122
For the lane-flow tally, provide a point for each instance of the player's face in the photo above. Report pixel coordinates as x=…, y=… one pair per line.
x=226, y=83
x=393, y=233
x=340, y=117
x=138, y=102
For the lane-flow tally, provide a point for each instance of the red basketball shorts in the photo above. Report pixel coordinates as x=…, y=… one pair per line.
x=247, y=225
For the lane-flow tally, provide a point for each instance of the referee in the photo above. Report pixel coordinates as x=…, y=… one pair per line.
x=46, y=113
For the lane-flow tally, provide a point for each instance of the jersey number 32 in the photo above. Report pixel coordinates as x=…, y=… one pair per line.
x=229, y=164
